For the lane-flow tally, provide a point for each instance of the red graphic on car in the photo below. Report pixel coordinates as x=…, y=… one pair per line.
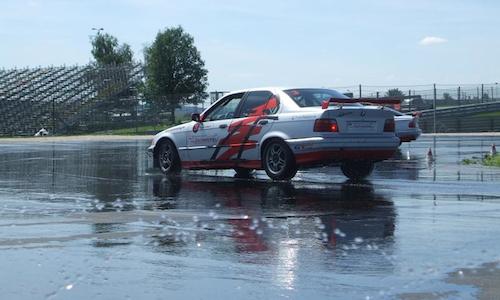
x=238, y=139
x=196, y=127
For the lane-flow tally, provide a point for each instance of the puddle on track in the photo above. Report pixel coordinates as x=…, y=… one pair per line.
x=91, y=219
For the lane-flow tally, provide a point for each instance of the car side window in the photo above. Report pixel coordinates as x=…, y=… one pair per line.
x=259, y=103
x=226, y=109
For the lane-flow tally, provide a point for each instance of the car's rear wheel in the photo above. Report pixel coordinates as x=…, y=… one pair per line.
x=279, y=161
x=357, y=170
x=168, y=158
x=243, y=172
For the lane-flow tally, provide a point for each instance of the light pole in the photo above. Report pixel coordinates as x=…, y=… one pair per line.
x=496, y=91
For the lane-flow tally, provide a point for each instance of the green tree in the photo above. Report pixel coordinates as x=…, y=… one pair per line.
x=175, y=72
x=394, y=93
x=107, y=51
x=112, y=76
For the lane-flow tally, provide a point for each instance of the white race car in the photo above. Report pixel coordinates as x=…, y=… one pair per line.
x=407, y=128
x=279, y=130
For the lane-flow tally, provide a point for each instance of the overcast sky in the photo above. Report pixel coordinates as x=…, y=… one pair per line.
x=284, y=42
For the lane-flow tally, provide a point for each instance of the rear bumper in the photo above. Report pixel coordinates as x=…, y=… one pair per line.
x=322, y=150
x=408, y=136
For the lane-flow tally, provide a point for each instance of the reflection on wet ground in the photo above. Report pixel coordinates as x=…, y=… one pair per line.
x=92, y=219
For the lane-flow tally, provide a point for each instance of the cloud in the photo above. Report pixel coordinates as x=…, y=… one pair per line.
x=432, y=40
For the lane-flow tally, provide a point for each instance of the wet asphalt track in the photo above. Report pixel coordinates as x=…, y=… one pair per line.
x=81, y=220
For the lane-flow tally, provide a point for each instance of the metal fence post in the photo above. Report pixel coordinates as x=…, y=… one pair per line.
x=53, y=116
x=409, y=100
x=434, y=114
x=459, y=106
x=360, y=94
x=136, y=116
x=496, y=90
x=482, y=93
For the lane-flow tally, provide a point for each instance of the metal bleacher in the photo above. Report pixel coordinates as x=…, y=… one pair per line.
x=62, y=99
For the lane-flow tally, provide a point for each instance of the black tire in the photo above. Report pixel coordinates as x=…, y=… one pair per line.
x=243, y=172
x=357, y=170
x=278, y=160
x=168, y=158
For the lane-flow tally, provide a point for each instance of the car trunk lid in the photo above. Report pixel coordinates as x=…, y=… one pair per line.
x=359, y=120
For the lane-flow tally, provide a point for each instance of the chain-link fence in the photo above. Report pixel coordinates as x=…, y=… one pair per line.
x=446, y=94
x=443, y=107
x=91, y=99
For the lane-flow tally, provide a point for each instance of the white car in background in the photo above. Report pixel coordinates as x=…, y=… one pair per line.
x=407, y=128
x=279, y=130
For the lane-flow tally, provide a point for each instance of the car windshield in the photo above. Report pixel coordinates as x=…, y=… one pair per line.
x=315, y=97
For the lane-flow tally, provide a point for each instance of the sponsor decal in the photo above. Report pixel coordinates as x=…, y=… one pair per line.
x=202, y=140
x=303, y=147
x=300, y=117
x=196, y=127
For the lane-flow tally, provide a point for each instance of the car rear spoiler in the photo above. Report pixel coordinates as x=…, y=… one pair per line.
x=380, y=101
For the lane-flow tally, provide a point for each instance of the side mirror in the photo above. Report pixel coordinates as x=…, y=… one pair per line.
x=195, y=117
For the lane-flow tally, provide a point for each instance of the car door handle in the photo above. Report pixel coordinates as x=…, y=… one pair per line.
x=263, y=122
x=222, y=126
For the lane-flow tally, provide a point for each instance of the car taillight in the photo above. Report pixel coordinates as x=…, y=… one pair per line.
x=389, y=125
x=326, y=125
x=412, y=124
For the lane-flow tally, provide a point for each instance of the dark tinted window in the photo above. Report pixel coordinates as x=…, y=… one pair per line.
x=259, y=103
x=313, y=97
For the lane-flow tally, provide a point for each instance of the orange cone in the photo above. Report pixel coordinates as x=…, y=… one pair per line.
x=429, y=154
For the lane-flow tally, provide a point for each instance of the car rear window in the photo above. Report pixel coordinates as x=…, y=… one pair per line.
x=314, y=97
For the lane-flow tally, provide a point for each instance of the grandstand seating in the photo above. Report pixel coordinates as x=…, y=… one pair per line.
x=62, y=99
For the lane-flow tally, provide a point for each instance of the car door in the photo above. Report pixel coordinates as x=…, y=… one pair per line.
x=254, y=119
x=206, y=139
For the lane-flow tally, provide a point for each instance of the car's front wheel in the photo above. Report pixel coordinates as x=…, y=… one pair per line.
x=357, y=170
x=279, y=161
x=168, y=158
